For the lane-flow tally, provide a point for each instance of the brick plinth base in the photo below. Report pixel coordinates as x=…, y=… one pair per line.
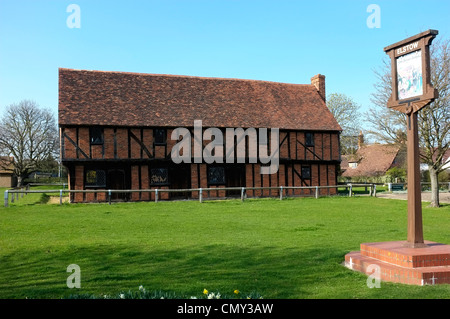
x=398, y=263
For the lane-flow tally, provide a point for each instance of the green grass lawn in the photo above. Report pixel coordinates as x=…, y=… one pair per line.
x=278, y=249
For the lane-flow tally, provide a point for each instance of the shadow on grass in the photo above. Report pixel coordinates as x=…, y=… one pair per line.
x=271, y=272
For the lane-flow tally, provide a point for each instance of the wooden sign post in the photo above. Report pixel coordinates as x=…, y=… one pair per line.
x=411, y=91
x=414, y=261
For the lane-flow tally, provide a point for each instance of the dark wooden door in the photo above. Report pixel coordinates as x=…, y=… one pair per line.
x=180, y=178
x=235, y=177
x=116, y=180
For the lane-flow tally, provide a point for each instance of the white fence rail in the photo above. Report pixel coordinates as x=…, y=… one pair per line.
x=12, y=195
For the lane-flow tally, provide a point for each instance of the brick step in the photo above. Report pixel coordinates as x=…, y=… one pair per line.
x=396, y=252
x=398, y=274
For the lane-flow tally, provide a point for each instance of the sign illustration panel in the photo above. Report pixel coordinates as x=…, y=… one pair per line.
x=409, y=75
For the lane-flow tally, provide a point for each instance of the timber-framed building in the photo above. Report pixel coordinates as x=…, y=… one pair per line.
x=116, y=128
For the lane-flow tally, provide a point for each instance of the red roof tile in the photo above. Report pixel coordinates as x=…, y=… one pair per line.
x=373, y=160
x=6, y=164
x=135, y=99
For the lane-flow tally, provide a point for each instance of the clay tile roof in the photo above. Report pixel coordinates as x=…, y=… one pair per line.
x=446, y=156
x=374, y=160
x=135, y=99
x=6, y=165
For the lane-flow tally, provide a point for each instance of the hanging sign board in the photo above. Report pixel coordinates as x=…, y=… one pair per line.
x=409, y=75
x=410, y=67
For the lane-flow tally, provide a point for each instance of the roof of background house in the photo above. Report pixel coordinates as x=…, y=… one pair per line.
x=446, y=156
x=136, y=99
x=6, y=165
x=374, y=160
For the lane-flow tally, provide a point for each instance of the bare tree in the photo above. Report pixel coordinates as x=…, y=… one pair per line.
x=434, y=120
x=388, y=126
x=346, y=113
x=28, y=137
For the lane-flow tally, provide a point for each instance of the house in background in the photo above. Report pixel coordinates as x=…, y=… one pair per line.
x=116, y=128
x=7, y=177
x=445, y=161
x=371, y=161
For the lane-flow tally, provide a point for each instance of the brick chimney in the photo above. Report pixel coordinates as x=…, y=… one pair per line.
x=319, y=82
x=360, y=139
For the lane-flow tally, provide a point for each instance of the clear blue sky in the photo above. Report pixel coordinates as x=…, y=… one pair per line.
x=283, y=41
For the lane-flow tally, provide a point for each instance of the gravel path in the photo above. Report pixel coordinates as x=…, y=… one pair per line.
x=444, y=196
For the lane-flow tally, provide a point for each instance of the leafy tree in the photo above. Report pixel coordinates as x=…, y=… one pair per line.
x=396, y=173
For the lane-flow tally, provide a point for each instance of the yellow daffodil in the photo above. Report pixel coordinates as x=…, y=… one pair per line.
x=205, y=292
